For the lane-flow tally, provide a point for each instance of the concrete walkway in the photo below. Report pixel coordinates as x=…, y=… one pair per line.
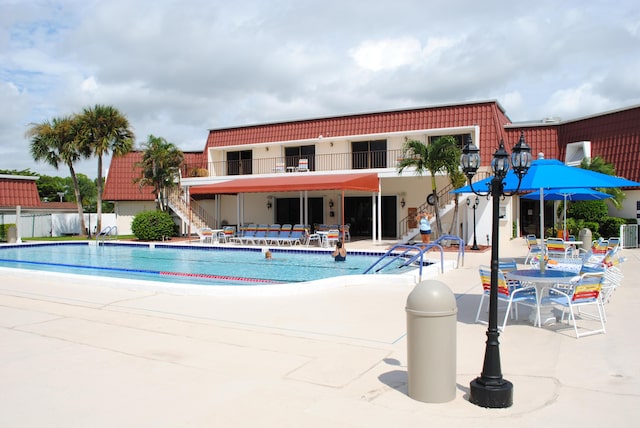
x=103, y=354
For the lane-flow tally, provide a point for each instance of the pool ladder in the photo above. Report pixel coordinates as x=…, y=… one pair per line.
x=414, y=252
x=107, y=233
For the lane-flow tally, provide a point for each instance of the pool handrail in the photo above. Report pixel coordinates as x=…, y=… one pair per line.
x=391, y=250
x=106, y=233
x=407, y=248
x=460, y=246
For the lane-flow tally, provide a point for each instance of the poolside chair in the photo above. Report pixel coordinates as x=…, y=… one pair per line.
x=309, y=237
x=556, y=248
x=248, y=233
x=273, y=235
x=577, y=295
x=614, y=242
x=613, y=277
x=227, y=234
x=297, y=235
x=534, y=248
x=511, y=292
x=332, y=238
x=285, y=233
x=303, y=165
x=260, y=237
x=597, y=253
x=345, y=231
x=205, y=234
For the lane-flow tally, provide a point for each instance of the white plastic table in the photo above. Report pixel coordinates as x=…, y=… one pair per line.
x=540, y=280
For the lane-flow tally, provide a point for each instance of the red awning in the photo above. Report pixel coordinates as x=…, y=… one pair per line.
x=291, y=183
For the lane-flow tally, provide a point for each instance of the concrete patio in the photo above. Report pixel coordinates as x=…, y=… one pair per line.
x=106, y=354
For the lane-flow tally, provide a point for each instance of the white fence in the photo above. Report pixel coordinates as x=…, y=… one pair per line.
x=40, y=225
x=629, y=236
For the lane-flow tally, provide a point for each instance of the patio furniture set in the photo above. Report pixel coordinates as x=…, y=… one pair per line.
x=556, y=275
x=269, y=234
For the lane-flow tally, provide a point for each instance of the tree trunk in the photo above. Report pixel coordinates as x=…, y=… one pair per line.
x=99, y=204
x=436, y=206
x=76, y=191
x=456, y=212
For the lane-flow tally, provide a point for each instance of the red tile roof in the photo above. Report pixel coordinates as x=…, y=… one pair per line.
x=487, y=114
x=615, y=136
x=19, y=191
x=120, y=184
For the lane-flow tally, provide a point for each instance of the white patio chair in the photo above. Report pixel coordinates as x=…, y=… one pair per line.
x=332, y=237
x=534, y=248
x=576, y=296
x=303, y=165
x=512, y=292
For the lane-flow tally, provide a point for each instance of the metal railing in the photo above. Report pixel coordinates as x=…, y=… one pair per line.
x=444, y=198
x=629, y=236
x=321, y=162
x=109, y=232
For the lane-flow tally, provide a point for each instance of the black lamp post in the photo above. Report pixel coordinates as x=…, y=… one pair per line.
x=491, y=389
x=475, y=207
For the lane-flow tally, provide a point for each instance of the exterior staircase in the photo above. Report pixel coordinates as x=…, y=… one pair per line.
x=446, y=206
x=191, y=214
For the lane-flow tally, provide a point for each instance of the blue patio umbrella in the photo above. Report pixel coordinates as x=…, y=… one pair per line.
x=574, y=194
x=549, y=174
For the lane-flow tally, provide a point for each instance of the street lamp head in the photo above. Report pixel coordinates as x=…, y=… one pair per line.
x=500, y=161
x=521, y=157
x=470, y=158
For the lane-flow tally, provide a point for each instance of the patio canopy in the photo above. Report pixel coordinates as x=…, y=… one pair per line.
x=291, y=183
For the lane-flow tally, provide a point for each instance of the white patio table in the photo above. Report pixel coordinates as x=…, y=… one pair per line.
x=541, y=279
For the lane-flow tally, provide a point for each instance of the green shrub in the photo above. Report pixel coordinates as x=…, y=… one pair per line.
x=588, y=210
x=4, y=231
x=153, y=226
x=610, y=226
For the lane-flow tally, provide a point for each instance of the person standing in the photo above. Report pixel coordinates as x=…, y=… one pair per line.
x=340, y=254
x=424, y=220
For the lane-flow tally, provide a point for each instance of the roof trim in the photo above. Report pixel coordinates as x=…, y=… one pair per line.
x=364, y=182
x=369, y=113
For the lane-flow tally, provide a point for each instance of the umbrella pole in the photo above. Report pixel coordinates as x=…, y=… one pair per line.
x=564, y=228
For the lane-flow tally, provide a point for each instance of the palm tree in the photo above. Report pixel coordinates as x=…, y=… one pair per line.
x=160, y=164
x=440, y=155
x=598, y=164
x=54, y=142
x=104, y=130
x=458, y=180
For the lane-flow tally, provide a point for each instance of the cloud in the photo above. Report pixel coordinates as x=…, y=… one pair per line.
x=178, y=69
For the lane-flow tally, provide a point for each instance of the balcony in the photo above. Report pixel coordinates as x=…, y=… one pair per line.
x=319, y=163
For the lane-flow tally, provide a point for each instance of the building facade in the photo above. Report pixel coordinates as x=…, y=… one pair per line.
x=344, y=170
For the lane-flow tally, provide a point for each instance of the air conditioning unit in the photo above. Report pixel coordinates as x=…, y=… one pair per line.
x=576, y=152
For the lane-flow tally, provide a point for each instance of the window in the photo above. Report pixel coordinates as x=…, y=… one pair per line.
x=294, y=154
x=461, y=139
x=239, y=163
x=369, y=154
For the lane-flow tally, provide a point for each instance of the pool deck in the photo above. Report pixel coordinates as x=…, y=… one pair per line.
x=78, y=354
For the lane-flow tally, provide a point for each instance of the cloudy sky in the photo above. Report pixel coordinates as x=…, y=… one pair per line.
x=179, y=68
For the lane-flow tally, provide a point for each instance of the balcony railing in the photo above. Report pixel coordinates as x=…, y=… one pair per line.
x=324, y=162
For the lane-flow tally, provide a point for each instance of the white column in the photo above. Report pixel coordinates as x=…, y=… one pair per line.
x=18, y=229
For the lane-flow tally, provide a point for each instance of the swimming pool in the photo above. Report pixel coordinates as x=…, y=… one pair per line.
x=185, y=264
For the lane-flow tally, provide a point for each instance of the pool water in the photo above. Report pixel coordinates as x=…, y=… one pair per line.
x=199, y=265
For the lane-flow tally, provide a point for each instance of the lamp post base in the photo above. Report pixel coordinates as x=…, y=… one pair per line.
x=495, y=395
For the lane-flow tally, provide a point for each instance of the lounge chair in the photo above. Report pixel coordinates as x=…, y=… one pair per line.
x=273, y=235
x=297, y=235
